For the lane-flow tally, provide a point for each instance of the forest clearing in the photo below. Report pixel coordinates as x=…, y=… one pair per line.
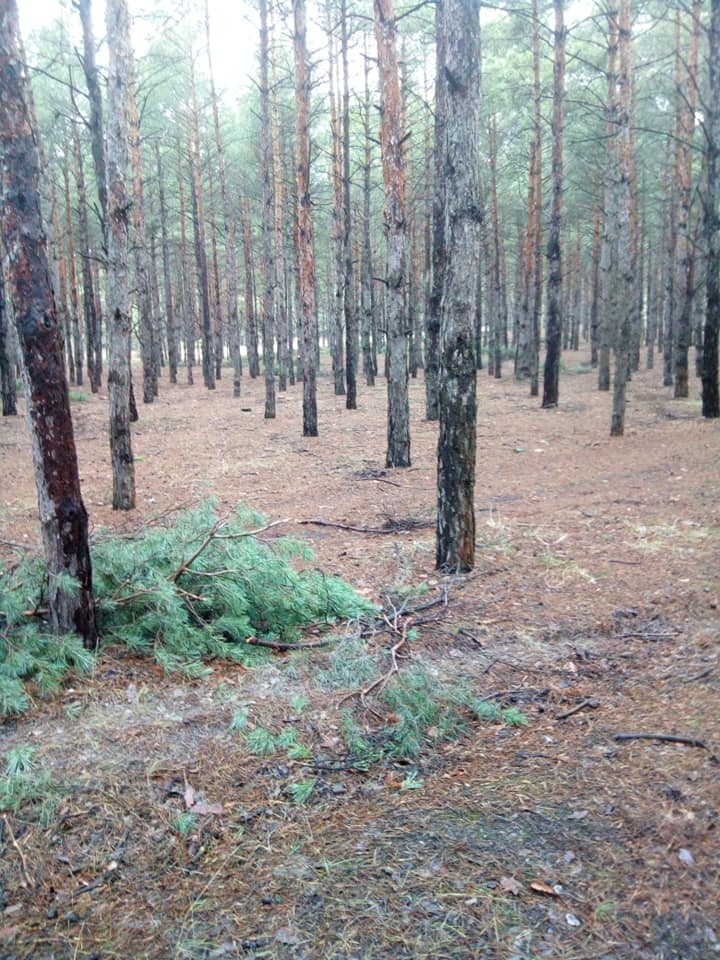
x=594, y=598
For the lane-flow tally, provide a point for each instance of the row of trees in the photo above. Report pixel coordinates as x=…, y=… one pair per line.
x=275, y=231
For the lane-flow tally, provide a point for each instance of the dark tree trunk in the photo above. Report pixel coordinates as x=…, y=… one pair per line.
x=455, y=541
x=63, y=516
x=367, y=305
x=90, y=314
x=119, y=205
x=438, y=256
x=711, y=224
x=553, y=326
x=304, y=236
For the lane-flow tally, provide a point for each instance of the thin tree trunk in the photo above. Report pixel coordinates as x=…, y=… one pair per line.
x=119, y=204
x=623, y=188
x=269, y=275
x=171, y=332
x=198, y=209
x=711, y=223
x=367, y=306
x=337, y=310
x=438, y=256
x=8, y=391
x=96, y=124
x=455, y=538
x=393, y=157
x=281, y=315
x=230, y=232
x=251, y=330
x=304, y=235
x=537, y=280
x=63, y=517
x=553, y=327
x=350, y=313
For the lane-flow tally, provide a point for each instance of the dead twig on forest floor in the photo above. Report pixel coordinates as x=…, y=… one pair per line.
x=343, y=526
x=501, y=694
x=589, y=704
x=697, y=676
x=646, y=636
x=664, y=737
x=626, y=563
x=381, y=682
x=392, y=526
x=274, y=645
x=29, y=882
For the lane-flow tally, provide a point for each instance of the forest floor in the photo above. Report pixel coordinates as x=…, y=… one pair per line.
x=596, y=588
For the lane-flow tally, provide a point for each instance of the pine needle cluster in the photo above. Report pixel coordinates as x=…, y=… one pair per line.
x=184, y=594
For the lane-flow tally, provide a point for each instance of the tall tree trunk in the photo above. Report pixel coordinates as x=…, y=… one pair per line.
x=63, y=517
x=687, y=99
x=119, y=204
x=142, y=278
x=393, y=158
x=537, y=274
x=350, y=313
x=269, y=275
x=553, y=326
x=438, y=256
x=198, y=209
x=96, y=124
x=281, y=314
x=711, y=223
x=171, y=332
x=304, y=235
x=367, y=305
x=337, y=310
x=455, y=539
x=229, y=225
x=499, y=318
x=187, y=295
x=251, y=330
x=623, y=189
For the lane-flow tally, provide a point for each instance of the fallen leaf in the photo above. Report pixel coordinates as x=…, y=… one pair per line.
x=510, y=885
x=539, y=886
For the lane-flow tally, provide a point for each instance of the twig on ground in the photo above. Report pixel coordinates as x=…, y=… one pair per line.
x=627, y=563
x=380, y=682
x=344, y=526
x=697, y=676
x=393, y=483
x=589, y=704
x=647, y=636
x=29, y=882
x=666, y=737
x=275, y=645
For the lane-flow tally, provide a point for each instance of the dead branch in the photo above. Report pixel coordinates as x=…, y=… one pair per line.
x=665, y=737
x=29, y=882
x=345, y=526
x=381, y=682
x=589, y=704
x=393, y=483
x=275, y=645
x=698, y=676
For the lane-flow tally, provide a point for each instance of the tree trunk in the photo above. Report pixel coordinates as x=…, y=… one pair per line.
x=350, y=313
x=251, y=331
x=281, y=314
x=393, y=158
x=198, y=210
x=537, y=274
x=63, y=516
x=455, y=540
x=438, y=256
x=623, y=189
x=553, y=326
x=171, y=331
x=97, y=130
x=187, y=294
x=7, y=365
x=367, y=304
x=711, y=223
x=142, y=278
x=337, y=310
x=304, y=235
x=119, y=204
x=230, y=232
x=269, y=275
x=687, y=98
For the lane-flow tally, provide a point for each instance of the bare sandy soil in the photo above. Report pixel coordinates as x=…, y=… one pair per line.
x=596, y=588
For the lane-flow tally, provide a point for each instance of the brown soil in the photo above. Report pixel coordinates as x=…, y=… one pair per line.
x=596, y=580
